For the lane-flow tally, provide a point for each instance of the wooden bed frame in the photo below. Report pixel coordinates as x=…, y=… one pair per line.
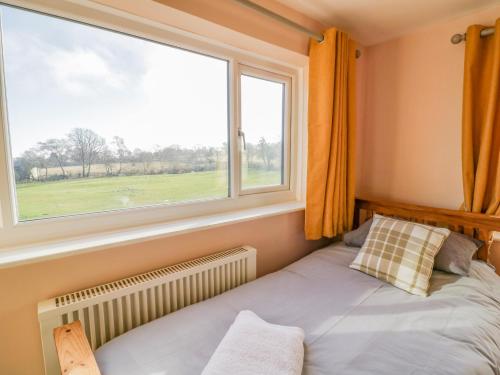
x=73, y=350
x=476, y=225
x=75, y=354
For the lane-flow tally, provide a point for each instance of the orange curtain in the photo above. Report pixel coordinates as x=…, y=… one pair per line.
x=481, y=122
x=331, y=136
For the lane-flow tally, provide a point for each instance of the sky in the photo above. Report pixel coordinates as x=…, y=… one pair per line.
x=61, y=75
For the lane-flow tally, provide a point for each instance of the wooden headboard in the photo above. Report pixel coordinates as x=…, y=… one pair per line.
x=480, y=226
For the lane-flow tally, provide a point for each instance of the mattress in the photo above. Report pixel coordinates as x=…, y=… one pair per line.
x=354, y=323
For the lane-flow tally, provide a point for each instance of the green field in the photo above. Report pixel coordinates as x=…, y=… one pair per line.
x=73, y=196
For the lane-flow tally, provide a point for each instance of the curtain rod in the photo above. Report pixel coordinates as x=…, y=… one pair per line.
x=457, y=38
x=278, y=17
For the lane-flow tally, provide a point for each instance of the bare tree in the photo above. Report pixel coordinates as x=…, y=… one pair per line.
x=107, y=158
x=266, y=153
x=30, y=160
x=121, y=150
x=251, y=154
x=86, y=146
x=38, y=160
x=58, y=151
x=22, y=169
x=145, y=158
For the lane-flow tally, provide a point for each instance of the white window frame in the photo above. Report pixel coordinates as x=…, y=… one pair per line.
x=286, y=80
x=14, y=233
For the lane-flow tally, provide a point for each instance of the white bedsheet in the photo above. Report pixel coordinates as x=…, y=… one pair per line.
x=353, y=323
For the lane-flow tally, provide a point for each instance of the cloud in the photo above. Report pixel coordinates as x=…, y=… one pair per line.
x=83, y=71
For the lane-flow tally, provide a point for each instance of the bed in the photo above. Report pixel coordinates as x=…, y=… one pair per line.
x=353, y=323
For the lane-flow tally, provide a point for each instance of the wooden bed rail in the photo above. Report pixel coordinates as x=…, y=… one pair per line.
x=479, y=226
x=73, y=350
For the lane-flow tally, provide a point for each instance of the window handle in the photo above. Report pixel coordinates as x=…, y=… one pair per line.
x=241, y=134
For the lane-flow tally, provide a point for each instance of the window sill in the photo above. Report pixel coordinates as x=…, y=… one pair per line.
x=35, y=253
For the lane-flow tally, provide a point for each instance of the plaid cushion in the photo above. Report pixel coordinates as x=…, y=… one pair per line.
x=400, y=253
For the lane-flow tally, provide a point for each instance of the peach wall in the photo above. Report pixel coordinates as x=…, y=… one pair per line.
x=411, y=130
x=409, y=139
x=279, y=241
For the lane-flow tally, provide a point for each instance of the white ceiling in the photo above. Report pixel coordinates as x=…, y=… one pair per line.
x=375, y=21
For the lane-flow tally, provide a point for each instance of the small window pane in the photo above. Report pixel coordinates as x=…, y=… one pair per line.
x=101, y=120
x=262, y=121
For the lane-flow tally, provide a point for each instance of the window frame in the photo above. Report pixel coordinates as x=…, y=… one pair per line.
x=14, y=233
x=286, y=80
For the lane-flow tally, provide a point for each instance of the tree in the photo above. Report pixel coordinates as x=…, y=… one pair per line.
x=31, y=161
x=86, y=146
x=107, y=158
x=266, y=152
x=22, y=169
x=38, y=160
x=58, y=151
x=145, y=158
x=251, y=151
x=170, y=154
x=121, y=150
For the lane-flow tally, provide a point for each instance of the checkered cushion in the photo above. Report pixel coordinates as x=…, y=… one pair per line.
x=400, y=253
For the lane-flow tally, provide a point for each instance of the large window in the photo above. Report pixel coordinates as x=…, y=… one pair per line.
x=120, y=123
x=100, y=120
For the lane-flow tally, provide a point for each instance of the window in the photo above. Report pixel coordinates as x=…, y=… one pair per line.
x=112, y=127
x=100, y=120
x=264, y=128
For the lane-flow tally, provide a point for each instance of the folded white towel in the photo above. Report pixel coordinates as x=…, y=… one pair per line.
x=253, y=346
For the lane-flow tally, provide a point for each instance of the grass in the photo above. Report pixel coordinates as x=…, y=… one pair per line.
x=74, y=196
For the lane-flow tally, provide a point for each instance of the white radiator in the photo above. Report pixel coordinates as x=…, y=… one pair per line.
x=109, y=310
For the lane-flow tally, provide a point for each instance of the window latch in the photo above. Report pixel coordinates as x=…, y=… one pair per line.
x=241, y=134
